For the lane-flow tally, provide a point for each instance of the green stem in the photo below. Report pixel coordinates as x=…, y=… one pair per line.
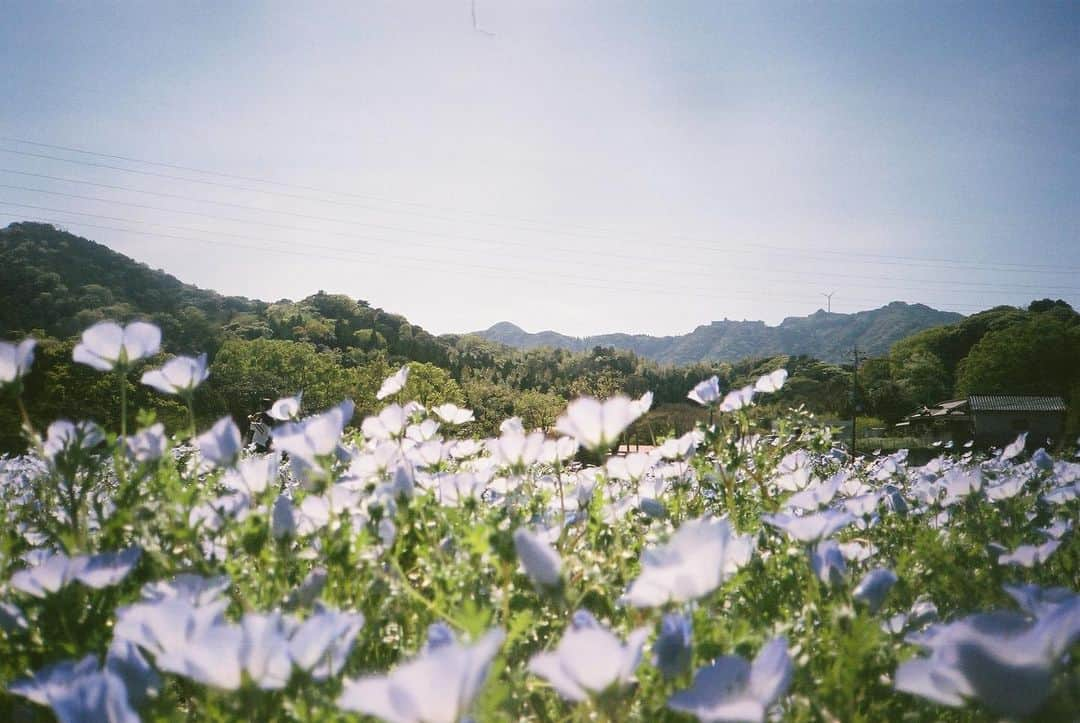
x=123, y=404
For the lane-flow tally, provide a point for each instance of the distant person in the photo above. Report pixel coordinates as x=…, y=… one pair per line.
x=261, y=424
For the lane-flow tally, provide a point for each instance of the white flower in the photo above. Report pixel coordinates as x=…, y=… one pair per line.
x=706, y=392
x=771, y=382
x=221, y=444
x=106, y=344
x=597, y=425
x=732, y=689
x=179, y=375
x=631, y=468
x=311, y=439
x=453, y=414
x=286, y=408
x=394, y=383
x=542, y=564
x=701, y=555
x=558, y=451
x=438, y=686
x=389, y=424
x=15, y=360
x=251, y=475
x=589, y=660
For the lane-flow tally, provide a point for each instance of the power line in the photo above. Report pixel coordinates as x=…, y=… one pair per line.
x=455, y=267
x=443, y=247
x=958, y=263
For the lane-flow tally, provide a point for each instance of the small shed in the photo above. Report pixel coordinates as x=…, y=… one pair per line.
x=997, y=419
x=949, y=420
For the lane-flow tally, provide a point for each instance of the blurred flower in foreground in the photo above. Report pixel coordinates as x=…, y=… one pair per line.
x=732, y=689
x=15, y=360
x=589, y=659
x=106, y=344
x=179, y=375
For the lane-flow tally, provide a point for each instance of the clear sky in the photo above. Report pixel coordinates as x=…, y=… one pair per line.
x=584, y=167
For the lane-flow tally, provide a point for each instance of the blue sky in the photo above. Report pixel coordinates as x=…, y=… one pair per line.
x=589, y=167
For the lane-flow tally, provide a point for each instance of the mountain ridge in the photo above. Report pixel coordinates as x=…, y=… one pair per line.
x=823, y=335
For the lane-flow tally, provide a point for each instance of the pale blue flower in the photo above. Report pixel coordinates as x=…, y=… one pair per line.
x=1030, y=555
x=264, y=651
x=394, y=383
x=828, y=563
x=874, y=587
x=311, y=441
x=438, y=686
x=674, y=647
x=815, y=495
x=737, y=399
x=1002, y=659
x=221, y=444
x=95, y=571
x=282, y=518
x=63, y=436
x=733, y=689
x=321, y=643
x=78, y=692
x=589, y=660
x=706, y=392
x=180, y=375
x=15, y=360
x=701, y=555
x=597, y=425
x=106, y=344
x=772, y=382
x=286, y=409
x=1014, y=448
x=542, y=564
x=147, y=444
x=1042, y=460
x=453, y=414
x=810, y=528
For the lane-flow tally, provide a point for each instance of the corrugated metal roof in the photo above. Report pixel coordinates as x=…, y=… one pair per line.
x=1015, y=403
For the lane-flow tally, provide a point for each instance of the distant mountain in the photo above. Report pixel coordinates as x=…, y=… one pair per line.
x=822, y=335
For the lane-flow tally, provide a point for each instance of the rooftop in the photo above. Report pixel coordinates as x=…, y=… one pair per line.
x=1015, y=403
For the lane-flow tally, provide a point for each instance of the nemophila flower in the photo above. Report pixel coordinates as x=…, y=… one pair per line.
x=1008, y=489
x=706, y=392
x=78, y=691
x=680, y=447
x=1003, y=660
x=193, y=589
x=597, y=425
x=1030, y=555
x=557, y=451
x=220, y=445
x=771, y=382
x=1014, y=448
x=515, y=449
x=1042, y=460
x=828, y=563
x=393, y=383
x=179, y=375
x=321, y=643
x=264, y=650
x=388, y=424
x=106, y=344
x=542, y=564
x=737, y=399
x=1057, y=529
x=810, y=528
x=857, y=551
x=12, y=618
x=251, y=475
x=124, y=660
x=308, y=591
x=453, y=414
x=286, y=409
x=56, y=571
x=733, y=689
x=315, y=437
x=64, y=436
x=438, y=686
x=793, y=472
x=863, y=505
x=674, y=646
x=631, y=467
x=874, y=587
x=425, y=431
x=147, y=444
x=588, y=660
x=814, y=496
x=642, y=404
x=701, y=555
x=15, y=360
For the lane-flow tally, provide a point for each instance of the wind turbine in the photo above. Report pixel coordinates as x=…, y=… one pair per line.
x=828, y=301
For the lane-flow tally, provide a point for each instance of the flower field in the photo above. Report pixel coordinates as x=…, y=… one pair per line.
x=403, y=570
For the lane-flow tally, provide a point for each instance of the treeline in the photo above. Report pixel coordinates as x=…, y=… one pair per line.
x=54, y=284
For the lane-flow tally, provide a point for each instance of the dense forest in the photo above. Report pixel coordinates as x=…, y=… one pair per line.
x=54, y=284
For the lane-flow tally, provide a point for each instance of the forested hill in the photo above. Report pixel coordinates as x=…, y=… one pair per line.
x=59, y=283
x=827, y=336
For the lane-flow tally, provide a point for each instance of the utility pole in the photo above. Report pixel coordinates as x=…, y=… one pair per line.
x=828, y=301
x=854, y=395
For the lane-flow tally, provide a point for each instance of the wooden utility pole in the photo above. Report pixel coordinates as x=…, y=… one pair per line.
x=854, y=395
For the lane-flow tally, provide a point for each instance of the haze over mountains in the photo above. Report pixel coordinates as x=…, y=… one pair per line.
x=823, y=335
